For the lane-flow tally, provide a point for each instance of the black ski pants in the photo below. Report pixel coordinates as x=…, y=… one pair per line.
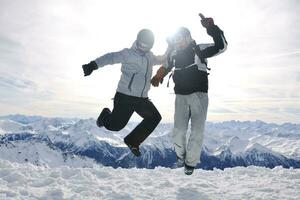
x=124, y=106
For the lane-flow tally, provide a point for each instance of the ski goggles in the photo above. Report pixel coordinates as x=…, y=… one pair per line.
x=143, y=46
x=179, y=41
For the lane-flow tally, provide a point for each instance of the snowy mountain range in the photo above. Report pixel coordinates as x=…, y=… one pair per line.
x=79, y=142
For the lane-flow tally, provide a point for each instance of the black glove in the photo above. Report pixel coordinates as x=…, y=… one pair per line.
x=89, y=68
x=207, y=22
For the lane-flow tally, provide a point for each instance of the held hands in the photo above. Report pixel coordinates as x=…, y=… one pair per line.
x=89, y=68
x=155, y=81
x=158, y=78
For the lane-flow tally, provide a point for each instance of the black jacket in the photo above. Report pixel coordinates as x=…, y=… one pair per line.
x=190, y=73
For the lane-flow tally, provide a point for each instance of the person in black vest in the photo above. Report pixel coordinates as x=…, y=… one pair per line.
x=189, y=61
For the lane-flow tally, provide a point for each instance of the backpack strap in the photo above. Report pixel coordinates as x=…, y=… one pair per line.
x=197, y=51
x=172, y=73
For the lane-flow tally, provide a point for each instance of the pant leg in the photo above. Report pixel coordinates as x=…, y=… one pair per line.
x=181, y=121
x=121, y=113
x=198, y=103
x=151, y=118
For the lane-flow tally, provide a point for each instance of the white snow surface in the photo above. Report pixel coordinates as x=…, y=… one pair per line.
x=26, y=181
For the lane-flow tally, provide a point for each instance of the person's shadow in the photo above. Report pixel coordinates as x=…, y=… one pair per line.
x=190, y=194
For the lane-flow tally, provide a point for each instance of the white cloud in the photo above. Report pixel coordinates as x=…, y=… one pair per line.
x=44, y=43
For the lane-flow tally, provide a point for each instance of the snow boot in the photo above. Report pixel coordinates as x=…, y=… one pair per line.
x=133, y=149
x=101, y=117
x=188, y=170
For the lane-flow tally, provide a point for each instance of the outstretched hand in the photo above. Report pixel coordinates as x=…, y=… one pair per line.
x=89, y=68
x=207, y=22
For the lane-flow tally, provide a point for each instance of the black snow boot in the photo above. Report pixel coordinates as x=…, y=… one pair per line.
x=188, y=170
x=133, y=149
x=101, y=117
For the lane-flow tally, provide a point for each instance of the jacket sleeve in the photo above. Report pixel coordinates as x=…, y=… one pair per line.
x=112, y=58
x=168, y=65
x=161, y=59
x=219, y=46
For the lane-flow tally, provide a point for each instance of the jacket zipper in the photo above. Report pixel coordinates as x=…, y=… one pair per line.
x=130, y=82
x=145, y=75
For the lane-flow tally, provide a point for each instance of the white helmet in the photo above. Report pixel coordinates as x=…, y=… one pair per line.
x=145, y=40
x=182, y=38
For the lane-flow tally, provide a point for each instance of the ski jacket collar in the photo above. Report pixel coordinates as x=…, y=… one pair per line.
x=135, y=49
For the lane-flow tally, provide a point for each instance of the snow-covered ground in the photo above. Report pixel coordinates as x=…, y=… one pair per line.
x=27, y=181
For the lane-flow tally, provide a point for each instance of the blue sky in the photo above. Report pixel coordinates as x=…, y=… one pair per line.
x=44, y=43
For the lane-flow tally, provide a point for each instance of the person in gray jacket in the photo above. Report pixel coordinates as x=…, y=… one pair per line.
x=132, y=91
x=189, y=61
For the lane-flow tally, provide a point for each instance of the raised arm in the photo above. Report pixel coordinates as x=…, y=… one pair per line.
x=220, y=43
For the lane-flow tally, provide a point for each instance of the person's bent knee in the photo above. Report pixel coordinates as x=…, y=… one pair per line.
x=153, y=120
x=157, y=118
x=117, y=127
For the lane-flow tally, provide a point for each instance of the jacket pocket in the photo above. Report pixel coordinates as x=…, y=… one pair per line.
x=130, y=82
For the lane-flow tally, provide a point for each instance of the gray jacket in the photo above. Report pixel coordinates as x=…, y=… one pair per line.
x=136, y=69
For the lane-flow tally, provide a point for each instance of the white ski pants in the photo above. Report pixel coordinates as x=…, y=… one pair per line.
x=193, y=106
